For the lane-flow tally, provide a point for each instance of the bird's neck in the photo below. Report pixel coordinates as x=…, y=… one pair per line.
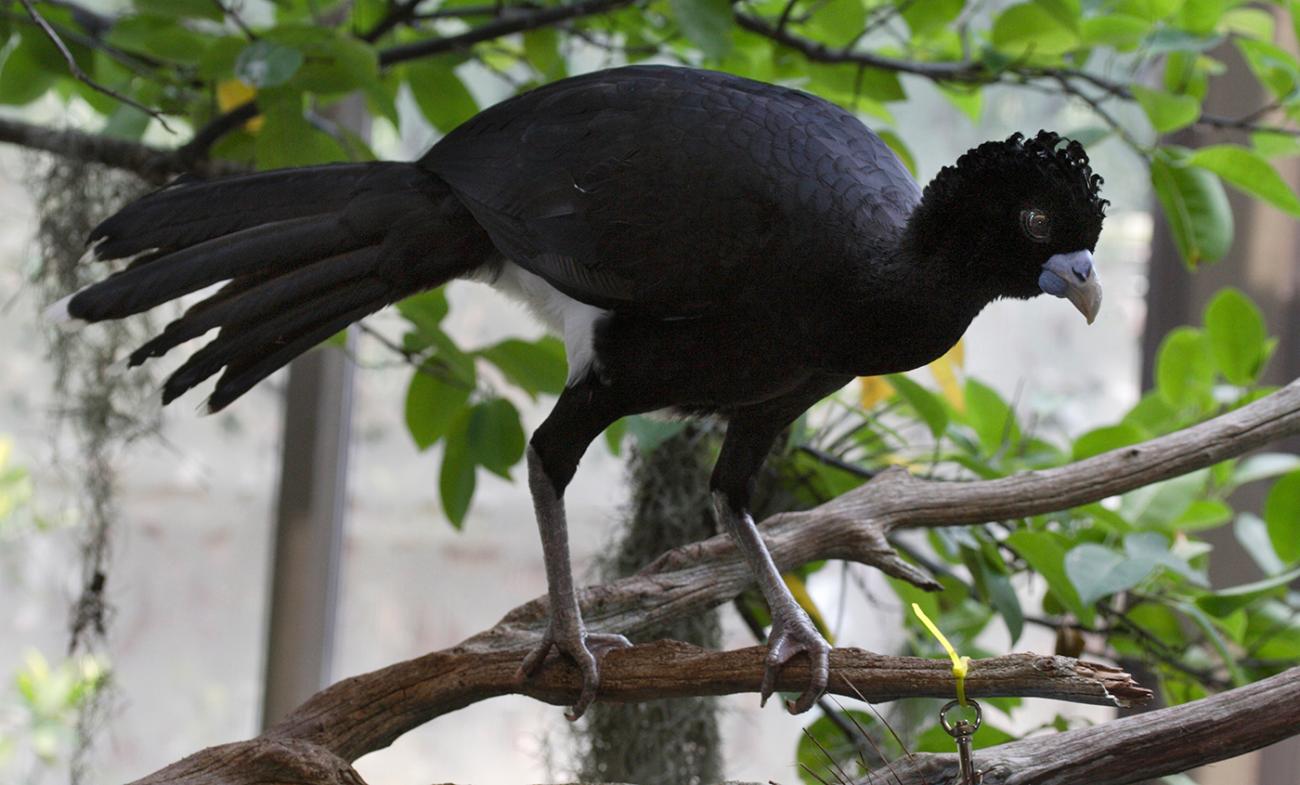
x=904, y=311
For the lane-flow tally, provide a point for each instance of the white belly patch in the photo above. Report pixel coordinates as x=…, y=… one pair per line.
x=572, y=320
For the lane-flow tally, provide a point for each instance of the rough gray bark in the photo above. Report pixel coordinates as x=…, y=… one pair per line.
x=365, y=713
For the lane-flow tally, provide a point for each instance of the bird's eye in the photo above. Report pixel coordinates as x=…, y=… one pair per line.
x=1036, y=224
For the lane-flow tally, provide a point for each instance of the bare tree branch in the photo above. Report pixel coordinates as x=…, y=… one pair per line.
x=367, y=712
x=1137, y=748
x=154, y=164
x=81, y=75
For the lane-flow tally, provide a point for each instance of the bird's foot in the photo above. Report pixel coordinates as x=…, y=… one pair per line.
x=584, y=648
x=793, y=632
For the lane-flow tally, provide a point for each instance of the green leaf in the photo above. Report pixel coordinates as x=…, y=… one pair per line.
x=1158, y=505
x=1153, y=548
x=1111, y=437
x=1282, y=514
x=1097, y=571
x=456, y=479
x=614, y=435
x=990, y=416
x=161, y=37
x=1250, y=22
x=1238, y=337
x=838, y=21
x=1223, y=602
x=267, y=64
x=1252, y=533
x=1185, y=368
x=332, y=62
x=431, y=406
x=287, y=139
x=1263, y=466
x=1249, y=172
x=495, y=436
x=1272, y=65
x=1119, y=31
x=542, y=48
x=707, y=23
x=441, y=95
x=425, y=311
x=1201, y=16
x=1202, y=514
x=1197, y=210
x=1154, y=10
x=1047, y=558
x=1167, y=112
x=29, y=70
x=1036, y=28
x=1003, y=597
x=879, y=85
x=926, y=404
x=199, y=9
x=930, y=16
x=1271, y=144
x=536, y=367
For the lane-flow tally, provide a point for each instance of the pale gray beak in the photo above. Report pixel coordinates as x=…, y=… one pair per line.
x=1071, y=275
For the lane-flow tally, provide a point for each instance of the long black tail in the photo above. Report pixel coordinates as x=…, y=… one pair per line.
x=303, y=252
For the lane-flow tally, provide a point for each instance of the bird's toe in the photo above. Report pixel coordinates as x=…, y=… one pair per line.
x=790, y=637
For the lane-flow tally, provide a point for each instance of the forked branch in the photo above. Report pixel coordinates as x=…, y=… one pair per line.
x=318, y=740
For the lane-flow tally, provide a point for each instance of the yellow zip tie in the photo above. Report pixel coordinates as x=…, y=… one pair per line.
x=960, y=665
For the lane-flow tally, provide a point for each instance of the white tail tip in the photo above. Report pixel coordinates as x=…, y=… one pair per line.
x=58, y=313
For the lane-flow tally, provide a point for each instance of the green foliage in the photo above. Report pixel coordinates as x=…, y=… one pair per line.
x=1130, y=570
x=41, y=709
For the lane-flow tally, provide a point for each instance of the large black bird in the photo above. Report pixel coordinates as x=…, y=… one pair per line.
x=704, y=244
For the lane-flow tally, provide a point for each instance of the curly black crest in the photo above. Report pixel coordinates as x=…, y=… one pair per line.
x=997, y=160
x=1070, y=159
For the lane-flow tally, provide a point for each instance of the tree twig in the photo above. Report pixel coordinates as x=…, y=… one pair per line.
x=81, y=75
x=154, y=164
x=364, y=713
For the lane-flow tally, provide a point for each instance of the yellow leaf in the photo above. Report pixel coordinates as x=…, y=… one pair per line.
x=6, y=449
x=944, y=371
x=800, y=592
x=235, y=92
x=874, y=390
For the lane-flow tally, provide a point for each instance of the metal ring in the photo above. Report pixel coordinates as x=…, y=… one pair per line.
x=956, y=730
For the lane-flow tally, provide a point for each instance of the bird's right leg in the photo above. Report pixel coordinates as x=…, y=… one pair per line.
x=553, y=456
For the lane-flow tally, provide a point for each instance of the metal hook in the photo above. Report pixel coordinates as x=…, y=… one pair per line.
x=961, y=732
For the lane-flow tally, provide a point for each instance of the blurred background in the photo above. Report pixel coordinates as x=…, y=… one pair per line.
x=195, y=499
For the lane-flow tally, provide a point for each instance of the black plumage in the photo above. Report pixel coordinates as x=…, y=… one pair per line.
x=705, y=243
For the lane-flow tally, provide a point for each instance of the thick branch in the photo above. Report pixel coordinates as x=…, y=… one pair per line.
x=367, y=712
x=1136, y=748
x=155, y=164
x=1122, y=751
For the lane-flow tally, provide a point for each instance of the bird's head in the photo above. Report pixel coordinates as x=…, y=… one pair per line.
x=1021, y=217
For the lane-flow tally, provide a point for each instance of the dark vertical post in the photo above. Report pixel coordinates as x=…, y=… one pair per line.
x=310, y=513
x=308, y=531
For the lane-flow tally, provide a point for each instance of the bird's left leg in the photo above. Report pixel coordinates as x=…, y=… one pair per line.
x=743, y=451
x=553, y=455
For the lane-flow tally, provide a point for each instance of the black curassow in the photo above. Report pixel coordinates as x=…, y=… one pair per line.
x=703, y=243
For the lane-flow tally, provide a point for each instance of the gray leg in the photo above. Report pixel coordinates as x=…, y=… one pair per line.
x=565, y=631
x=792, y=631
